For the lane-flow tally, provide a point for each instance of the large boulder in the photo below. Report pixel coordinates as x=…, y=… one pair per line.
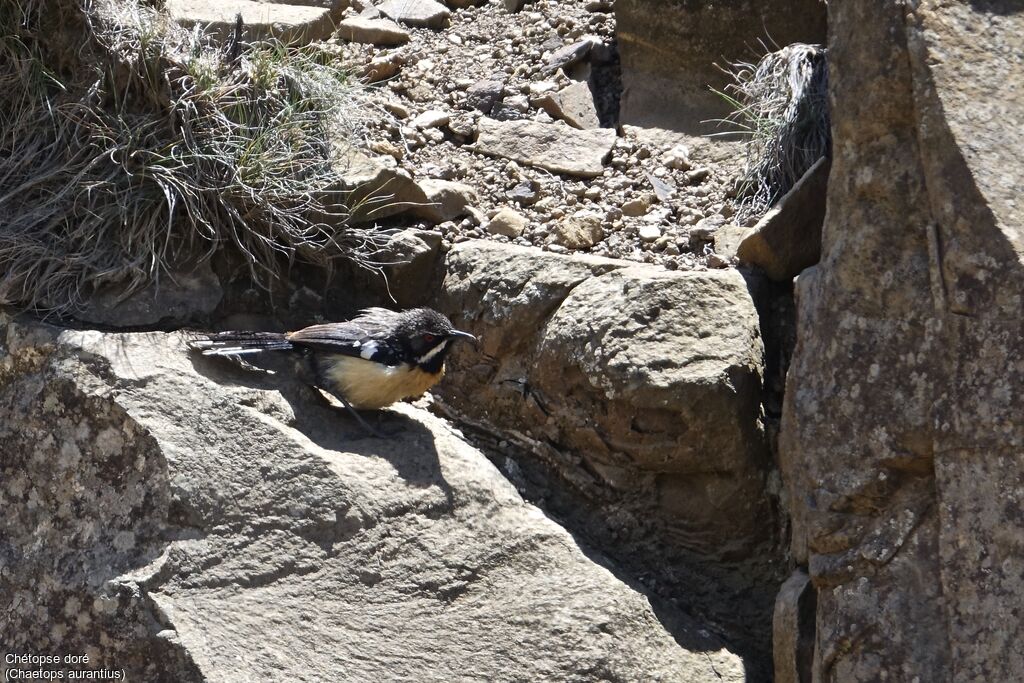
x=672, y=53
x=180, y=518
x=902, y=438
x=641, y=388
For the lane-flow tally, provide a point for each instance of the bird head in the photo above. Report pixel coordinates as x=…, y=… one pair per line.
x=429, y=336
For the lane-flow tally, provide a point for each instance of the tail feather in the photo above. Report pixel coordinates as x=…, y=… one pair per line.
x=236, y=343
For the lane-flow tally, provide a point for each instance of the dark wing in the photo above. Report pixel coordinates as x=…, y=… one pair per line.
x=364, y=337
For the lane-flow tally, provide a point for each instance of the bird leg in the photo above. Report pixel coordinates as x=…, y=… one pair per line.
x=359, y=418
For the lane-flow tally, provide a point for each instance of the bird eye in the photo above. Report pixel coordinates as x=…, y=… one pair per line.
x=429, y=338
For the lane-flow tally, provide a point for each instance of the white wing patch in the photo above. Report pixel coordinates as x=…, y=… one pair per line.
x=369, y=348
x=228, y=351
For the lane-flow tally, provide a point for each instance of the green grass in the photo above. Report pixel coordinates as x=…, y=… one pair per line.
x=132, y=148
x=780, y=106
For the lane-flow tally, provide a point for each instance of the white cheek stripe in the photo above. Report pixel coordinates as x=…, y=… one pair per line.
x=425, y=358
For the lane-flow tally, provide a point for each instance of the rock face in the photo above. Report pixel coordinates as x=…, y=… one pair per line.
x=552, y=146
x=788, y=238
x=184, y=520
x=902, y=436
x=641, y=389
x=178, y=298
x=669, y=53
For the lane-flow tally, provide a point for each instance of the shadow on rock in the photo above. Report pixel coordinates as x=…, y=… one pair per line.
x=408, y=445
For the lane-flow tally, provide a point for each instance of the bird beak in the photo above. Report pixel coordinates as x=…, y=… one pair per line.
x=456, y=334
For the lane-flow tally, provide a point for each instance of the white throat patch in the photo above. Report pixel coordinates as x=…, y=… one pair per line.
x=425, y=358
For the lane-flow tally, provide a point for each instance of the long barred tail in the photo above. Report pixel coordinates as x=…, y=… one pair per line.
x=235, y=343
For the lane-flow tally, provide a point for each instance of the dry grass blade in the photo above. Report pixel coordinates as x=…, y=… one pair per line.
x=132, y=148
x=780, y=105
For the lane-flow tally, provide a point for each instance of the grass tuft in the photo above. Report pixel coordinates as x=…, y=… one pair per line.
x=133, y=148
x=780, y=105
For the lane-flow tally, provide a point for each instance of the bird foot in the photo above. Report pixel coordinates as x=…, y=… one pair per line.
x=377, y=431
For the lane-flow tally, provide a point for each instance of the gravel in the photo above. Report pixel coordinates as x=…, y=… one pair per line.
x=654, y=186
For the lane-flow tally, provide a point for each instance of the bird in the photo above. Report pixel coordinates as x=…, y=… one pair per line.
x=368, y=363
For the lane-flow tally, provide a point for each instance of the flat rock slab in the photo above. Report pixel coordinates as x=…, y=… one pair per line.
x=213, y=523
x=552, y=146
x=421, y=13
x=289, y=23
x=373, y=31
x=793, y=629
x=788, y=238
